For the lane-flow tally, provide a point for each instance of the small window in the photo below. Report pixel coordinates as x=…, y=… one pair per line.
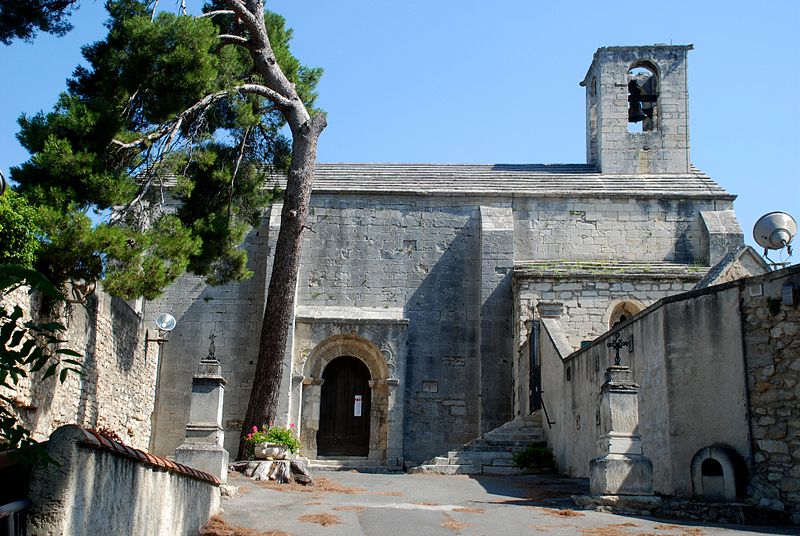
x=642, y=98
x=711, y=467
x=569, y=374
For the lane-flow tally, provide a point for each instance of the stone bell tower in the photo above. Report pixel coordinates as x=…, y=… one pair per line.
x=637, y=113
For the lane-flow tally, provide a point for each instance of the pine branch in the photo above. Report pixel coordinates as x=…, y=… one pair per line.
x=230, y=39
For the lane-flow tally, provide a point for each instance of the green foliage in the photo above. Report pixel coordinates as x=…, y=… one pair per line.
x=113, y=144
x=18, y=232
x=534, y=458
x=274, y=434
x=28, y=347
x=21, y=19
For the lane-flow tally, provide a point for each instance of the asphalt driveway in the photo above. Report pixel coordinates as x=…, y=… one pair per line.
x=355, y=504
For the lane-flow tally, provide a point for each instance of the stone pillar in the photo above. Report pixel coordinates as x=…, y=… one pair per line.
x=202, y=448
x=309, y=424
x=621, y=468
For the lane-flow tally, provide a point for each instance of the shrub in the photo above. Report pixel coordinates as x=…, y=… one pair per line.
x=534, y=458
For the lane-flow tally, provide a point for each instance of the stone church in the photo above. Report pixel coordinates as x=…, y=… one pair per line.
x=422, y=285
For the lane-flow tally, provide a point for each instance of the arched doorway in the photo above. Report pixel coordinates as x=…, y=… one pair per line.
x=345, y=401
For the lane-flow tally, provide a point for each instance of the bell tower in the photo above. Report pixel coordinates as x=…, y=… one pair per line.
x=637, y=110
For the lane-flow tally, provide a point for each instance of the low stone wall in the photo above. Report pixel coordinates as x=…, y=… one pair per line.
x=103, y=487
x=687, y=359
x=772, y=348
x=116, y=389
x=717, y=367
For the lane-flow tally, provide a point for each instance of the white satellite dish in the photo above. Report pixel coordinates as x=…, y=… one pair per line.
x=775, y=231
x=165, y=322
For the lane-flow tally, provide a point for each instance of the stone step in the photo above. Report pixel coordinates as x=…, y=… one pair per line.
x=446, y=469
x=482, y=444
x=351, y=464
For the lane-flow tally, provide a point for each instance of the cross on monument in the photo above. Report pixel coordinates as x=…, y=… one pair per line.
x=617, y=344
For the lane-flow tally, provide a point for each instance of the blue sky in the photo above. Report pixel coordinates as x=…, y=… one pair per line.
x=460, y=82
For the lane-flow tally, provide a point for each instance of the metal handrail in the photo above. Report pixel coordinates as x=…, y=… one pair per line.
x=11, y=516
x=546, y=416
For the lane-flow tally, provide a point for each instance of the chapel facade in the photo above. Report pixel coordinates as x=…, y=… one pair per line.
x=422, y=286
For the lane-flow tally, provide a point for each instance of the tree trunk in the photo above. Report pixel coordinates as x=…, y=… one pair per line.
x=279, y=310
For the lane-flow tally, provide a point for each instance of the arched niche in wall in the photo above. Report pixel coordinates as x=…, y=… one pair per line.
x=718, y=474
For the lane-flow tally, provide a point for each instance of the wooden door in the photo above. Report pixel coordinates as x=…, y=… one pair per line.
x=344, y=409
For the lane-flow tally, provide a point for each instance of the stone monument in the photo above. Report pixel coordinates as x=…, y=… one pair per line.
x=621, y=468
x=203, y=446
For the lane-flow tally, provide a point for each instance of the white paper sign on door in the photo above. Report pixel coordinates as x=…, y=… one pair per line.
x=357, y=406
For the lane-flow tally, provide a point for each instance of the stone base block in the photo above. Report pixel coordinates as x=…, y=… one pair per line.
x=619, y=474
x=207, y=457
x=619, y=504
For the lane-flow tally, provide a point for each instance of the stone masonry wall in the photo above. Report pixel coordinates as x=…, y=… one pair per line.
x=233, y=314
x=587, y=304
x=646, y=230
x=117, y=387
x=772, y=347
x=421, y=255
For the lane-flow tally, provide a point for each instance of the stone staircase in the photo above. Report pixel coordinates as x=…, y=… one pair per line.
x=491, y=453
x=351, y=463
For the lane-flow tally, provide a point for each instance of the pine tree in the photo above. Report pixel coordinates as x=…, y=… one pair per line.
x=184, y=108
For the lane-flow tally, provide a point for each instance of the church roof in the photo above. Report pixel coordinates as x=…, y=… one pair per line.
x=529, y=180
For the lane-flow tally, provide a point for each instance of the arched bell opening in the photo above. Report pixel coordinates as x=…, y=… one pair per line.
x=643, y=90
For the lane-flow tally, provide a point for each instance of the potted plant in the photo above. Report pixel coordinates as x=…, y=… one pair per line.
x=273, y=442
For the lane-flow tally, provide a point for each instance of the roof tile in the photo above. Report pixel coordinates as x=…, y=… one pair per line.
x=96, y=440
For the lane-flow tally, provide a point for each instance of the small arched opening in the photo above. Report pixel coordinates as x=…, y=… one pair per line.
x=622, y=311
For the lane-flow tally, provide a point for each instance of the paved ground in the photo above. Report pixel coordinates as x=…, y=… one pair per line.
x=349, y=503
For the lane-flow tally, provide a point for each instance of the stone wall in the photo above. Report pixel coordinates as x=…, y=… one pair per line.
x=444, y=261
x=233, y=314
x=101, y=487
x=772, y=347
x=717, y=367
x=624, y=228
x=584, y=302
x=687, y=358
x=116, y=389
x=420, y=255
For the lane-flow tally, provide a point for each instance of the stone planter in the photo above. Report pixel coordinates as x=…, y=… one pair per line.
x=270, y=451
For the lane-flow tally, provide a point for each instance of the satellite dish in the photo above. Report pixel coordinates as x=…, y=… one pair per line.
x=2, y=183
x=165, y=322
x=775, y=230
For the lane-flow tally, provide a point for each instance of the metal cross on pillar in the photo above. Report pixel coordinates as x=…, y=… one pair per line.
x=617, y=344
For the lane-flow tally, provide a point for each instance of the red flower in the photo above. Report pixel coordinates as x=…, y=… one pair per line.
x=255, y=428
x=291, y=425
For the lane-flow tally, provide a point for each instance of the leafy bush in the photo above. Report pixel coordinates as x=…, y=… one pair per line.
x=25, y=348
x=534, y=458
x=274, y=434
